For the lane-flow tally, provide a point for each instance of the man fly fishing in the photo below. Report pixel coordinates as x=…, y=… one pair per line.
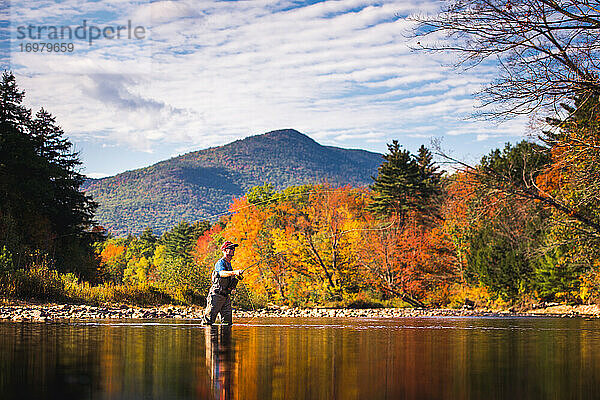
x=224, y=280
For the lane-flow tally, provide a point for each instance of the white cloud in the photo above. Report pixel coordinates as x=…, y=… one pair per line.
x=97, y=175
x=210, y=72
x=159, y=12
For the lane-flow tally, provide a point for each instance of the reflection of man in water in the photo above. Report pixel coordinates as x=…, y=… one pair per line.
x=219, y=360
x=224, y=280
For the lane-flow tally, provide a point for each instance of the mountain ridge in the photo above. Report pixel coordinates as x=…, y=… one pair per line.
x=202, y=183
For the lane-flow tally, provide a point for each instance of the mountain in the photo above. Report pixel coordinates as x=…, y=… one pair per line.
x=200, y=184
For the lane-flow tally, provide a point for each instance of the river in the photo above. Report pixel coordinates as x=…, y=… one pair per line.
x=302, y=358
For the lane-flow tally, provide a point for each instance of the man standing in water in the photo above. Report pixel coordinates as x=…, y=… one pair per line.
x=224, y=280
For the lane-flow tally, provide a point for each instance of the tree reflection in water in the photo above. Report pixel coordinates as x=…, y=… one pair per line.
x=219, y=360
x=410, y=358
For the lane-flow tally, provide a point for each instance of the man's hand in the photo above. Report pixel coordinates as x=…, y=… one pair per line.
x=239, y=274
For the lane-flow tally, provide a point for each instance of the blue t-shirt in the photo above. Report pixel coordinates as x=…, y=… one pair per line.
x=222, y=265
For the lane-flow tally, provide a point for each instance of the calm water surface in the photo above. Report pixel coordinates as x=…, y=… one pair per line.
x=302, y=358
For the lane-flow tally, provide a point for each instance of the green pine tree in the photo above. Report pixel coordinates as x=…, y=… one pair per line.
x=404, y=182
x=180, y=240
x=42, y=210
x=556, y=276
x=498, y=263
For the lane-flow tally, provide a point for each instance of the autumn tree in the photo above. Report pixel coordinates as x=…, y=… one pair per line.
x=498, y=237
x=320, y=238
x=139, y=253
x=253, y=224
x=407, y=261
x=548, y=58
x=405, y=190
x=573, y=178
x=113, y=259
x=302, y=241
x=572, y=181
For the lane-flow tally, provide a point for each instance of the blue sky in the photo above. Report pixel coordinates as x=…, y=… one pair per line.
x=206, y=73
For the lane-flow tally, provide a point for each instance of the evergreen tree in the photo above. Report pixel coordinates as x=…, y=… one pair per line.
x=505, y=234
x=497, y=262
x=12, y=112
x=557, y=276
x=513, y=168
x=16, y=151
x=428, y=168
x=180, y=240
x=432, y=180
x=147, y=243
x=41, y=206
x=178, y=269
x=404, y=182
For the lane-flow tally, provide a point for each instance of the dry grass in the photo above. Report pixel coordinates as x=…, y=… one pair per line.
x=46, y=285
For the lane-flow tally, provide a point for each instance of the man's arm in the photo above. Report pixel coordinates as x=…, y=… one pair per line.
x=220, y=268
x=226, y=274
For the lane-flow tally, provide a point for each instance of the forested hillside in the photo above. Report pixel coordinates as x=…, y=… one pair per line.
x=200, y=184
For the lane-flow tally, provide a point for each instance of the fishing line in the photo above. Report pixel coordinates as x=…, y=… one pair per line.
x=276, y=198
x=251, y=302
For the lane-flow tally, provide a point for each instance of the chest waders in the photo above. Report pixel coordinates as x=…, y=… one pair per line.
x=223, y=286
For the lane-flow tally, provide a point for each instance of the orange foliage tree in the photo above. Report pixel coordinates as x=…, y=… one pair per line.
x=408, y=257
x=312, y=244
x=302, y=240
x=113, y=261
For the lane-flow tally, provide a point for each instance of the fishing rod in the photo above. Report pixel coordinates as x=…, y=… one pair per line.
x=260, y=260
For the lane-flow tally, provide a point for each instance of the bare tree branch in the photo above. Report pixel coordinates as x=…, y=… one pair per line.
x=548, y=51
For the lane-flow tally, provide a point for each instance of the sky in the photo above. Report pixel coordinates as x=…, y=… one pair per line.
x=188, y=75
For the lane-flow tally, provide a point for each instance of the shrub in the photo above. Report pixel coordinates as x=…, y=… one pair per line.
x=6, y=261
x=37, y=282
x=44, y=284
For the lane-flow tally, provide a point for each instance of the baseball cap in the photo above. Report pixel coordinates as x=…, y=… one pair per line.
x=228, y=244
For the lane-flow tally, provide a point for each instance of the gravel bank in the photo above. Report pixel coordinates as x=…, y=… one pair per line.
x=55, y=312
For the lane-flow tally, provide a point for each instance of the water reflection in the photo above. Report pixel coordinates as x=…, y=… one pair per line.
x=219, y=360
x=423, y=358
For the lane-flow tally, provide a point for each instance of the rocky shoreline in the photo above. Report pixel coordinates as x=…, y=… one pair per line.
x=65, y=312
